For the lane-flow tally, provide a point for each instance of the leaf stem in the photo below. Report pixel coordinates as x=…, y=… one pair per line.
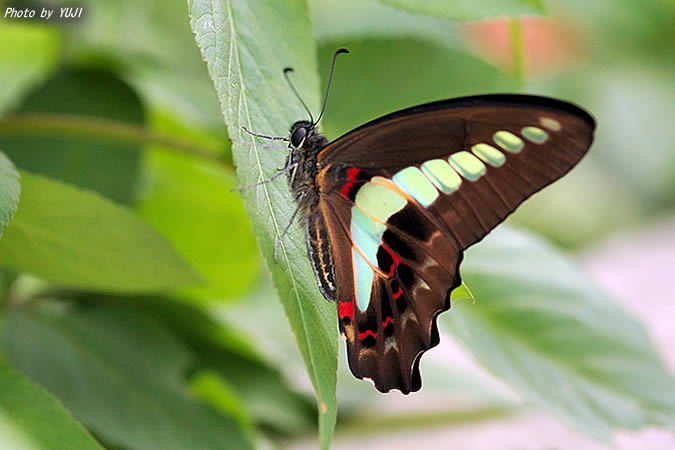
x=93, y=126
x=7, y=278
x=518, y=52
x=380, y=423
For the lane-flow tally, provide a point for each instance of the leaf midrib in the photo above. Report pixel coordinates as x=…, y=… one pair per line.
x=261, y=174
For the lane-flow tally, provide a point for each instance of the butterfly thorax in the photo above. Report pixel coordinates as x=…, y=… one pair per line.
x=306, y=143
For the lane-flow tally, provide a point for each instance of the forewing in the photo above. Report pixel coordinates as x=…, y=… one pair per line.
x=435, y=130
x=471, y=161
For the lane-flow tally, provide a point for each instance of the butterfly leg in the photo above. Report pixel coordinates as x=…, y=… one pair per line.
x=270, y=179
x=283, y=233
x=293, y=167
x=273, y=138
x=255, y=144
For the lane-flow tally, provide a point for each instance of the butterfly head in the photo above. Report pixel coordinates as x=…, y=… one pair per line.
x=303, y=130
x=300, y=131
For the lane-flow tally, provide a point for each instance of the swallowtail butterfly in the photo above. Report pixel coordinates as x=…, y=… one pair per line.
x=389, y=208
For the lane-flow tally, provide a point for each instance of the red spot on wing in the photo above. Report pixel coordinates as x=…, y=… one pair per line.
x=398, y=293
x=395, y=258
x=353, y=173
x=367, y=333
x=387, y=321
x=345, y=190
x=346, y=309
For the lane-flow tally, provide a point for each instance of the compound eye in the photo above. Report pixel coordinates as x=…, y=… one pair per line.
x=298, y=136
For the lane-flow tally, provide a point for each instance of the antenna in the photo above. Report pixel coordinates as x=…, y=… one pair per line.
x=288, y=80
x=330, y=80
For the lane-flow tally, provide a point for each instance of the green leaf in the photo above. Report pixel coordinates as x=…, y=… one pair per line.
x=107, y=166
x=30, y=418
x=119, y=373
x=77, y=238
x=462, y=293
x=222, y=352
x=174, y=81
x=32, y=54
x=539, y=325
x=337, y=22
x=190, y=203
x=246, y=45
x=211, y=387
x=10, y=189
x=624, y=31
x=468, y=9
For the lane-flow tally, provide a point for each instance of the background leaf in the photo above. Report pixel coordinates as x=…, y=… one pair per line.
x=173, y=82
x=226, y=356
x=32, y=54
x=10, y=189
x=561, y=343
x=131, y=366
x=190, y=203
x=77, y=238
x=30, y=418
x=246, y=45
x=467, y=9
x=336, y=22
x=107, y=166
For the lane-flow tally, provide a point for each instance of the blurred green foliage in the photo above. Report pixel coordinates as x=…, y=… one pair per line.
x=111, y=169
x=205, y=358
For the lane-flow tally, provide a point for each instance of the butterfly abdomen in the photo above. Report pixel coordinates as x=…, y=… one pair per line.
x=321, y=255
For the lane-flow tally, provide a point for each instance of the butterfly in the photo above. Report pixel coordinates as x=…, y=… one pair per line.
x=389, y=208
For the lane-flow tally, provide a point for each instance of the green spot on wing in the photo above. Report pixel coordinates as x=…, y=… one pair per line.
x=551, y=124
x=363, y=280
x=413, y=181
x=489, y=154
x=467, y=165
x=508, y=141
x=365, y=235
x=442, y=175
x=379, y=201
x=534, y=134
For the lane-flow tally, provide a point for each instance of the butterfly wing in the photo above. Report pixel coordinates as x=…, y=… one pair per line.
x=402, y=197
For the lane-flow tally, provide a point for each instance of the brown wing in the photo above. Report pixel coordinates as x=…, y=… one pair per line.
x=403, y=196
x=413, y=270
